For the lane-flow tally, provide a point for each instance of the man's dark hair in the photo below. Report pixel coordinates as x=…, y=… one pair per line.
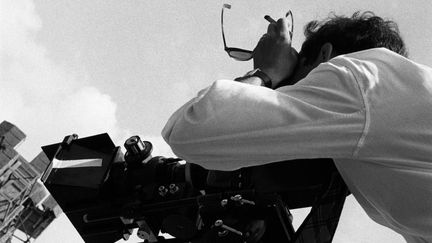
x=361, y=31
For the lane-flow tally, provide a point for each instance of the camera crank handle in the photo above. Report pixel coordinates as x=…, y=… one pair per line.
x=219, y=223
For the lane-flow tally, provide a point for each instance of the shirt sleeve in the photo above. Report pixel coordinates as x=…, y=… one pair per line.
x=231, y=125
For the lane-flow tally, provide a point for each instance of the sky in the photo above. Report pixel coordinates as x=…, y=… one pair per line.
x=123, y=67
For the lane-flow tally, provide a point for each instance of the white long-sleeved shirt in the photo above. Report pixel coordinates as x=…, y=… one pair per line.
x=371, y=111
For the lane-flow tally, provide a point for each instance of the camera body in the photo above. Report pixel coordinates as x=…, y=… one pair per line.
x=106, y=194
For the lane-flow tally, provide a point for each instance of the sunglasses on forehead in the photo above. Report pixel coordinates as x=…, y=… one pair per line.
x=242, y=54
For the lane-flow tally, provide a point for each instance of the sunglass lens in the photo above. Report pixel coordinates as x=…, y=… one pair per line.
x=240, y=55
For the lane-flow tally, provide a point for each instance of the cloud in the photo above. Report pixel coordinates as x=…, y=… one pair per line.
x=44, y=99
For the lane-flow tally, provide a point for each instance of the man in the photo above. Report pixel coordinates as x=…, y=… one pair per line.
x=354, y=97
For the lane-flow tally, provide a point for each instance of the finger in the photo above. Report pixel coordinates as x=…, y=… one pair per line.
x=283, y=29
x=265, y=36
x=269, y=19
x=272, y=30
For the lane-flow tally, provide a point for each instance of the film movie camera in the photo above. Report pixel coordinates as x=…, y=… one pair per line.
x=106, y=194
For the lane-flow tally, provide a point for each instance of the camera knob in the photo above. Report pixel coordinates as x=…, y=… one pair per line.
x=137, y=151
x=134, y=145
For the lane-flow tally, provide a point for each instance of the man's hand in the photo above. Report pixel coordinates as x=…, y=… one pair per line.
x=274, y=54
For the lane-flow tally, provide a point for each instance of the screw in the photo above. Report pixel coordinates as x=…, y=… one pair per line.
x=224, y=202
x=162, y=191
x=218, y=223
x=236, y=198
x=173, y=188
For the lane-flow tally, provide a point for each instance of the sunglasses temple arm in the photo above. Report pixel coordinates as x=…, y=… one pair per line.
x=222, y=26
x=292, y=22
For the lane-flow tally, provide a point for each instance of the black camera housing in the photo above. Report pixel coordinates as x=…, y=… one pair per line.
x=106, y=194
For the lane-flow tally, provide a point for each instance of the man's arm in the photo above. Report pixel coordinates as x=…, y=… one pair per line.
x=231, y=125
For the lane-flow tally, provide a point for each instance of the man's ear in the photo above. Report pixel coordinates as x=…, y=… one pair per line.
x=326, y=52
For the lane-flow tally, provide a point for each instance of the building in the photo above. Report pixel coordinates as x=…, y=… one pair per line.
x=25, y=204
